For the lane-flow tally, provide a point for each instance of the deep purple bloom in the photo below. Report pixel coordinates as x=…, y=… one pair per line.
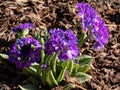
x=62, y=42
x=70, y=37
x=87, y=14
x=69, y=52
x=23, y=27
x=25, y=52
x=55, y=43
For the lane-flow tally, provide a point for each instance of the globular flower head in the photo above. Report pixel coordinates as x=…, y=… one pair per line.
x=55, y=42
x=23, y=26
x=25, y=52
x=91, y=21
x=70, y=37
x=87, y=14
x=62, y=42
x=100, y=33
x=69, y=52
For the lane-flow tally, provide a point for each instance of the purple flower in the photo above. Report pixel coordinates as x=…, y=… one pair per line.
x=44, y=66
x=55, y=43
x=62, y=42
x=23, y=27
x=25, y=52
x=100, y=33
x=91, y=21
x=87, y=14
x=69, y=52
x=69, y=37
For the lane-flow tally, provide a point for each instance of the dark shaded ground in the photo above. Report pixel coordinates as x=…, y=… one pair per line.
x=63, y=13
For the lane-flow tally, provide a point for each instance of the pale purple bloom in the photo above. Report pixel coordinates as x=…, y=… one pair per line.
x=44, y=66
x=91, y=21
x=23, y=27
x=25, y=52
x=100, y=33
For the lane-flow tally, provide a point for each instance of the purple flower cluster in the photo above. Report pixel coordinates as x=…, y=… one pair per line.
x=87, y=14
x=91, y=21
x=23, y=27
x=24, y=52
x=64, y=42
x=100, y=33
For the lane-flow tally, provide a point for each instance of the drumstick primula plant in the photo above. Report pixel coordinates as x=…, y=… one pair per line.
x=46, y=59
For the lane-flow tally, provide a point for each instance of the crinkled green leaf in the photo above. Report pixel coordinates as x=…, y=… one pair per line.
x=83, y=68
x=70, y=66
x=68, y=87
x=4, y=56
x=22, y=33
x=81, y=39
x=28, y=87
x=75, y=69
x=82, y=77
x=32, y=69
x=53, y=63
x=50, y=79
x=85, y=61
x=62, y=73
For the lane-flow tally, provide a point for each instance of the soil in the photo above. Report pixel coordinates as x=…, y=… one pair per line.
x=47, y=14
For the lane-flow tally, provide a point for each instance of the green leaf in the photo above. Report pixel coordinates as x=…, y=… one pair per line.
x=23, y=33
x=68, y=87
x=46, y=35
x=81, y=39
x=28, y=87
x=37, y=35
x=85, y=61
x=4, y=56
x=62, y=73
x=83, y=68
x=50, y=79
x=53, y=63
x=82, y=77
x=75, y=69
x=32, y=80
x=32, y=69
x=70, y=66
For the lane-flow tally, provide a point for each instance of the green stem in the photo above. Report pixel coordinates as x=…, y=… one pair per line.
x=71, y=66
x=53, y=64
x=83, y=38
x=42, y=56
x=42, y=51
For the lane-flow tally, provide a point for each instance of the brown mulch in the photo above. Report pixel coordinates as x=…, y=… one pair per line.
x=47, y=14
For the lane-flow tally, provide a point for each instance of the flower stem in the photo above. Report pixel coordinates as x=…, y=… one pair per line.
x=53, y=64
x=42, y=56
